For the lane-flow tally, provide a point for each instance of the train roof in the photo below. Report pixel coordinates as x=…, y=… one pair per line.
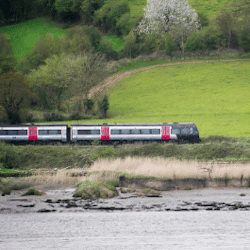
x=134, y=124
x=33, y=125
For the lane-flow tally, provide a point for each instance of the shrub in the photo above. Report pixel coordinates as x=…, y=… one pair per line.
x=103, y=106
x=6, y=191
x=9, y=156
x=106, y=48
x=108, y=16
x=147, y=44
x=244, y=39
x=206, y=38
x=96, y=190
x=195, y=41
x=130, y=48
x=89, y=7
x=32, y=191
x=53, y=117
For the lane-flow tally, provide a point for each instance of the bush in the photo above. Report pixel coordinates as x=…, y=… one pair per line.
x=53, y=117
x=9, y=156
x=32, y=191
x=89, y=7
x=206, y=38
x=125, y=24
x=147, y=44
x=108, y=16
x=130, y=48
x=106, y=48
x=195, y=41
x=68, y=10
x=244, y=39
x=96, y=190
x=103, y=105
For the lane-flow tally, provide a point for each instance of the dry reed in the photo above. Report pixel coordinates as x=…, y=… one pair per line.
x=167, y=168
x=66, y=177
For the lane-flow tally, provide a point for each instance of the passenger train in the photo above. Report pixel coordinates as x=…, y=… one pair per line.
x=114, y=132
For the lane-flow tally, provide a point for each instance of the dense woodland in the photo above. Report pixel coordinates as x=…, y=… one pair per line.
x=58, y=74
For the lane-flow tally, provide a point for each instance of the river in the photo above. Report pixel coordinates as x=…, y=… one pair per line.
x=194, y=230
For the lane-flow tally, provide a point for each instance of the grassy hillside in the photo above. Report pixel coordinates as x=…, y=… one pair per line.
x=24, y=35
x=209, y=8
x=214, y=95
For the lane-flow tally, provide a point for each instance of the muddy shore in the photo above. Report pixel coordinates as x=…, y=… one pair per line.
x=62, y=200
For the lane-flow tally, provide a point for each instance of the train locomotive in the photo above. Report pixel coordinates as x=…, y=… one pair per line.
x=113, y=132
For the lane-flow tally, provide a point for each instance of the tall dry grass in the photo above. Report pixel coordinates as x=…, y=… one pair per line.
x=167, y=168
x=66, y=177
x=157, y=167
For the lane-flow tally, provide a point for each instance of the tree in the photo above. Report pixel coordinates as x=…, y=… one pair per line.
x=244, y=39
x=69, y=10
x=14, y=95
x=64, y=76
x=50, y=82
x=225, y=22
x=87, y=70
x=89, y=7
x=107, y=17
x=103, y=105
x=173, y=16
x=7, y=59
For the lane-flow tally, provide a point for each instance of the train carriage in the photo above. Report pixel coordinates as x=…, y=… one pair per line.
x=85, y=132
x=31, y=132
x=135, y=132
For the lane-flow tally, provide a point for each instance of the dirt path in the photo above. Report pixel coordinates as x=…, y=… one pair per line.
x=119, y=76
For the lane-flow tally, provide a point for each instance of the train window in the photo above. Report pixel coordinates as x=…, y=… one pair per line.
x=49, y=132
x=135, y=131
x=155, y=131
x=115, y=131
x=175, y=131
x=12, y=132
x=3, y=132
x=42, y=132
x=95, y=132
x=22, y=132
x=146, y=131
x=125, y=131
x=185, y=131
x=54, y=132
x=89, y=132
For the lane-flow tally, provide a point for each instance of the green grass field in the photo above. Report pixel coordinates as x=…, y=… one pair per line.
x=214, y=95
x=209, y=8
x=24, y=35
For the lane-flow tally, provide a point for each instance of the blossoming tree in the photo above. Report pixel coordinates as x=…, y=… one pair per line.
x=173, y=16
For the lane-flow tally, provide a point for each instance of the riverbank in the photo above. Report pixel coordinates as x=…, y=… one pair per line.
x=60, y=199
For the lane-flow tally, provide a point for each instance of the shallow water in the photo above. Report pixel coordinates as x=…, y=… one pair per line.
x=126, y=230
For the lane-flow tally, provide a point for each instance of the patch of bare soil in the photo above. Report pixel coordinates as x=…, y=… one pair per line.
x=119, y=76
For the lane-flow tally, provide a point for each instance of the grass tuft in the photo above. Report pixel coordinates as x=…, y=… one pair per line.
x=32, y=191
x=97, y=189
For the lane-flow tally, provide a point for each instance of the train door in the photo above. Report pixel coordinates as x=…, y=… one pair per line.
x=33, y=134
x=107, y=133
x=163, y=137
x=165, y=134
x=104, y=133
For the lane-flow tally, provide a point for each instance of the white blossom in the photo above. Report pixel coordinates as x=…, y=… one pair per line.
x=173, y=16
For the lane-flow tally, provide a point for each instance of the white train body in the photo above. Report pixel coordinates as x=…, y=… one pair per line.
x=103, y=132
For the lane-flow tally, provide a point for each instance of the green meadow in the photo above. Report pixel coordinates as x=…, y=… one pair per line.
x=24, y=35
x=209, y=8
x=214, y=95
